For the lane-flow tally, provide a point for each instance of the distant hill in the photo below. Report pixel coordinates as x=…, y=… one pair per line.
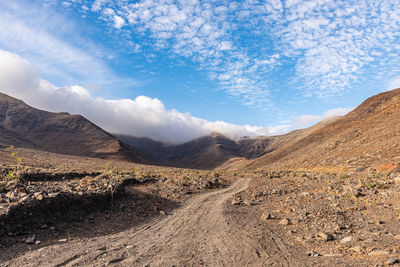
x=205, y=152
x=25, y=126
x=212, y=151
x=368, y=136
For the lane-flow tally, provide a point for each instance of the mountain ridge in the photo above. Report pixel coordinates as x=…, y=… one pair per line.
x=368, y=136
x=25, y=126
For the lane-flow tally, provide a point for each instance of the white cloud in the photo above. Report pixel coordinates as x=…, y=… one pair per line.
x=201, y=31
x=393, y=83
x=142, y=116
x=308, y=120
x=335, y=42
x=331, y=44
x=98, y=4
x=118, y=22
x=37, y=34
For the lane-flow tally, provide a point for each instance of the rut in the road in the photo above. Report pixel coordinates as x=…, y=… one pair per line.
x=196, y=234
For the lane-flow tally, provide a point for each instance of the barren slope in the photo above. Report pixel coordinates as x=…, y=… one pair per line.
x=206, y=231
x=196, y=234
x=215, y=150
x=367, y=136
x=22, y=125
x=206, y=152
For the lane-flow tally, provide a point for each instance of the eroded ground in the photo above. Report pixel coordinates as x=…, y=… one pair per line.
x=348, y=218
x=70, y=211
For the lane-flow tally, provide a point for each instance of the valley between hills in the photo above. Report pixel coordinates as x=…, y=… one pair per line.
x=72, y=194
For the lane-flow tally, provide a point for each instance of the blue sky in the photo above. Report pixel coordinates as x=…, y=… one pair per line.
x=270, y=66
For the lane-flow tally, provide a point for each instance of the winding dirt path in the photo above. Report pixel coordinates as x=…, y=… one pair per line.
x=199, y=233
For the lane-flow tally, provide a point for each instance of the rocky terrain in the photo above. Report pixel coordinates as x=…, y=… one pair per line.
x=323, y=196
x=213, y=151
x=289, y=218
x=25, y=126
x=347, y=218
x=369, y=136
x=75, y=197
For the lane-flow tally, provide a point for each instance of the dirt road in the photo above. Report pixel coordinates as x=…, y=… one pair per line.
x=198, y=233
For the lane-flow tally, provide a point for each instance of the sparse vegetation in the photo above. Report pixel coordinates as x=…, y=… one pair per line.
x=14, y=173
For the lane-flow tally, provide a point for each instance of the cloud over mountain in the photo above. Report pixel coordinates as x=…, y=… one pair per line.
x=142, y=116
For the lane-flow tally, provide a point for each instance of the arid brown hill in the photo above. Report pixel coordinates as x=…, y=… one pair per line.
x=205, y=152
x=368, y=136
x=25, y=126
x=209, y=152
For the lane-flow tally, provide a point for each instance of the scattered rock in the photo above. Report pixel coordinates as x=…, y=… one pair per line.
x=346, y=239
x=25, y=198
x=313, y=254
x=52, y=195
x=326, y=236
x=235, y=202
x=20, y=190
x=356, y=249
x=249, y=202
x=13, y=196
x=266, y=216
x=284, y=221
x=62, y=240
x=30, y=240
x=163, y=213
x=392, y=261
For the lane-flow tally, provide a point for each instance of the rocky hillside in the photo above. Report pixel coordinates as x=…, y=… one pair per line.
x=369, y=136
x=25, y=126
x=205, y=152
x=213, y=151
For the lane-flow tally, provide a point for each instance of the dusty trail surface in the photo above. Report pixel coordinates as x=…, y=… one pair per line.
x=198, y=233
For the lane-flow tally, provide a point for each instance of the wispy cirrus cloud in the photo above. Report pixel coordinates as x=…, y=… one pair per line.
x=327, y=45
x=203, y=32
x=51, y=42
x=335, y=41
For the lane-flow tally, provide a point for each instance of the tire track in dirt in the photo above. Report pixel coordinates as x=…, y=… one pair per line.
x=196, y=234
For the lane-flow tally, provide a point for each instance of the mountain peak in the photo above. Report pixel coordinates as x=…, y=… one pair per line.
x=25, y=126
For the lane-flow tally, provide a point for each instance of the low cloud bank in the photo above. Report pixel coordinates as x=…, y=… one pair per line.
x=308, y=120
x=142, y=116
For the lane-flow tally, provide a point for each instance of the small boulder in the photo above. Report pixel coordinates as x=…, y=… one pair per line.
x=346, y=239
x=30, y=240
x=392, y=261
x=356, y=249
x=235, y=202
x=313, y=254
x=284, y=221
x=266, y=216
x=325, y=236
